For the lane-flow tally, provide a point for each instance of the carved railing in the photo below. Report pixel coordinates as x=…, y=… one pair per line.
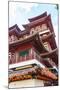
x=24, y=58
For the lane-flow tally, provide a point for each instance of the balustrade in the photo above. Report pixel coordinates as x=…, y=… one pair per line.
x=30, y=56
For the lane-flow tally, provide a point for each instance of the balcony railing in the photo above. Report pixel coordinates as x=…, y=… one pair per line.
x=24, y=58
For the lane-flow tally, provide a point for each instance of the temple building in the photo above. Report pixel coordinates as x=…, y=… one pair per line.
x=33, y=54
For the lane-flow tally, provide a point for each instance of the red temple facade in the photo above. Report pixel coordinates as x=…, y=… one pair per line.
x=33, y=52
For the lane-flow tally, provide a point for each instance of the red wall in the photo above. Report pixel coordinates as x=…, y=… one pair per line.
x=24, y=47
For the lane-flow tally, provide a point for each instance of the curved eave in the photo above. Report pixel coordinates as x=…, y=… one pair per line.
x=33, y=39
x=53, y=55
x=15, y=26
x=49, y=24
x=14, y=30
x=46, y=19
x=39, y=21
x=25, y=40
x=36, y=22
x=38, y=17
x=25, y=25
x=24, y=32
x=48, y=36
x=40, y=47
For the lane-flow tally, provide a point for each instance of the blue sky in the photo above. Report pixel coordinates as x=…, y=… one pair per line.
x=20, y=12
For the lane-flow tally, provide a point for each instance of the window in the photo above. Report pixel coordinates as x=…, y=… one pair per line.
x=23, y=53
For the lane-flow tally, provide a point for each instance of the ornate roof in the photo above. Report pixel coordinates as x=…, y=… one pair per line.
x=14, y=26
x=15, y=30
x=38, y=17
x=38, y=21
x=44, y=20
x=33, y=39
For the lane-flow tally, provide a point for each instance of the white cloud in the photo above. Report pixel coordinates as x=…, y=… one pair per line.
x=26, y=6
x=14, y=8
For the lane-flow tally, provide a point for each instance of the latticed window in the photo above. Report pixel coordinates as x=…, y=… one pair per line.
x=27, y=54
x=12, y=58
x=24, y=55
